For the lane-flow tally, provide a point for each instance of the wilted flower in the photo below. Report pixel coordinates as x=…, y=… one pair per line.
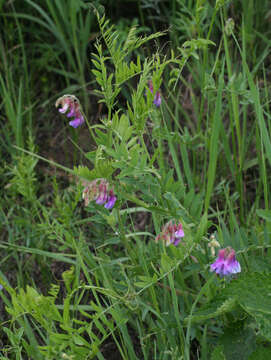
x=99, y=191
x=171, y=234
x=226, y=263
x=157, y=96
x=102, y=193
x=213, y=244
x=229, y=26
x=71, y=103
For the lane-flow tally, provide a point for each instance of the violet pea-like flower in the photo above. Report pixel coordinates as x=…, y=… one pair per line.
x=110, y=200
x=157, y=96
x=100, y=191
x=171, y=234
x=226, y=263
x=157, y=99
x=71, y=104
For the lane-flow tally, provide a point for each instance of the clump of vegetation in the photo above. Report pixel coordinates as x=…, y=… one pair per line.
x=135, y=216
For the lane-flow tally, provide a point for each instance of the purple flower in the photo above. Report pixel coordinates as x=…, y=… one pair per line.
x=1, y=287
x=157, y=99
x=64, y=108
x=110, y=200
x=102, y=193
x=77, y=122
x=176, y=241
x=99, y=191
x=71, y=103
x=226, y=263
x=171, y=234
x=179, y=232
x=71, y=113
x=157, y=96
x=101, y=199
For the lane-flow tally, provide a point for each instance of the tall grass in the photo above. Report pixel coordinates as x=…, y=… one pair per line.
x=15, y=88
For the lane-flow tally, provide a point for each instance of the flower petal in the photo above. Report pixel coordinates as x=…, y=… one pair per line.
x=226, y=264
x=63, y=109
x=77, y=122
x=110, y=202
x=179, y=233
x=157, y=99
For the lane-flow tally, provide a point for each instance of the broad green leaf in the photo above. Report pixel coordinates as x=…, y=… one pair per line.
x=238, y=342
x=253, y=293
x=213, y=309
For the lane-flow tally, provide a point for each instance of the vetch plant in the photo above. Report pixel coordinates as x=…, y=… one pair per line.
x=124, y=292
x=71, y=104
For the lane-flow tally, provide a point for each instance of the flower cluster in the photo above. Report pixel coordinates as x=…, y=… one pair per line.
x=171, y=234
x=99, y=191
x=226, y=263
x=71, y=103
x=157, y=97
